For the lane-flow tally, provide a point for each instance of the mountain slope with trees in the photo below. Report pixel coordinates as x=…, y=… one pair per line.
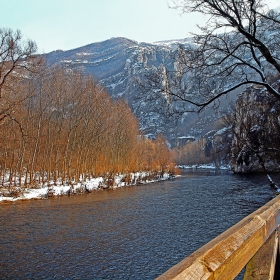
x=122, y=66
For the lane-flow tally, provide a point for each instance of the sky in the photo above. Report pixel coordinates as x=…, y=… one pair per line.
x=69, y=24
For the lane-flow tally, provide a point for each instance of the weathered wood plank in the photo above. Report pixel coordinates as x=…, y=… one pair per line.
x=277, y=265
x=226, y=255
x=262, y=265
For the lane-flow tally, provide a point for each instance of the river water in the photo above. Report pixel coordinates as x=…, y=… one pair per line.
x=129, y=233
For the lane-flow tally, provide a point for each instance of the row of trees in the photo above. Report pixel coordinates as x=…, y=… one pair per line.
x=192, y=153
x=63, y=127
x=213, y=148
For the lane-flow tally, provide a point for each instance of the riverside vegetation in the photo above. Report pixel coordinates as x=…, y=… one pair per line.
x=59, y=128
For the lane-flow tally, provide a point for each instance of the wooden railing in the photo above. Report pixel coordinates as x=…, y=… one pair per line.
x=253, y=242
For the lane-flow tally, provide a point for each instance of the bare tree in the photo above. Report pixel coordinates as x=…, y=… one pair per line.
x=239, y=46
x=15, y=55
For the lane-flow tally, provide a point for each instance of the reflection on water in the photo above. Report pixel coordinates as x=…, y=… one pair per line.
x=130, y=233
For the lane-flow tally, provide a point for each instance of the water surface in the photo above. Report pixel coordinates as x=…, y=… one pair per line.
x=130, y=233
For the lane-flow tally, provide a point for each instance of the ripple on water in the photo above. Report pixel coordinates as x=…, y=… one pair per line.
x=130, y=233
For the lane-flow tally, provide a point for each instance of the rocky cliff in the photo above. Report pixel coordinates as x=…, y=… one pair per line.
x=120, y=65
x=256, y=132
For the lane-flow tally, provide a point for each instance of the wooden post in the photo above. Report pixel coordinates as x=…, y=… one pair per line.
x=262, y=265
x=277, y=265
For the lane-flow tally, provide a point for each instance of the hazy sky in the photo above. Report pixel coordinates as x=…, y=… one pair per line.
x=68, y=24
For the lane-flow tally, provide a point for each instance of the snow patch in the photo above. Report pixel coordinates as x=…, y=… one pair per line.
x=88, y=185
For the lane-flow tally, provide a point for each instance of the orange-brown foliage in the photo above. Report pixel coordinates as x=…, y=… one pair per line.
x=67, y=128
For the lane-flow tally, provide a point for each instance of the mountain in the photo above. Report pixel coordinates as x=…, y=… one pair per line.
x=119, y=64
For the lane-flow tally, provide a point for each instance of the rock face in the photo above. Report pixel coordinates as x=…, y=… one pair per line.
x=119, y=64
x=256, y=133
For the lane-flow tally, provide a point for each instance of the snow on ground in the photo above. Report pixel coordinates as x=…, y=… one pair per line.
x=204, y=166
x=88, y=185
x=34, y=193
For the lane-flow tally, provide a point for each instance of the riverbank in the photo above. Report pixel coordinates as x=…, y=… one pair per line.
x=204, y=166
x=47, y=190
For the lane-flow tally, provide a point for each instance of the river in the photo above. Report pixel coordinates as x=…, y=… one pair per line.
x=133, y=232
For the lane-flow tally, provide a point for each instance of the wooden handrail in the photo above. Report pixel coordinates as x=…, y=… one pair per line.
x=226, y=255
